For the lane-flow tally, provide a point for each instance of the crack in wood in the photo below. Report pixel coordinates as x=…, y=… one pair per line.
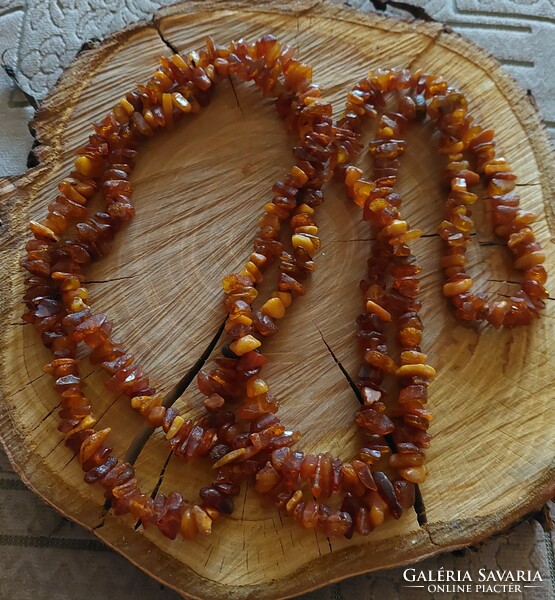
x=186, y=380
x=58, y=443
x=157, y=486
x=236, y=96
x=156, y=24
x=424, y=235
x=145, y=433
x=349, y=379
x=29, y=382
x=510, y=282
x=425, y=528
x=49, y=413
x=419, y=506
x=418, y=12
x=138, y=443
x=103, y=514
x=161, y=475
x=490, y=243
x=504, y=281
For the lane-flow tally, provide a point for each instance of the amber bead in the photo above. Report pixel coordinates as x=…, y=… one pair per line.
x=414, y=474
x=374, y=422
x=387, y=492
x=337, y=524
x=381, y=361
x=405, y=492
x=267, y=478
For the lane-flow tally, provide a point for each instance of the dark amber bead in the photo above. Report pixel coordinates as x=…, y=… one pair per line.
x=387, y=492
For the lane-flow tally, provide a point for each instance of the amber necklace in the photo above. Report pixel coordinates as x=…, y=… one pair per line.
x=250, y=440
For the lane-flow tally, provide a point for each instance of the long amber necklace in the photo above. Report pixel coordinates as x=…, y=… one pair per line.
x=248, y=440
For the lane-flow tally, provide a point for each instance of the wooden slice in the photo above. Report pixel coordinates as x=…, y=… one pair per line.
x=199, y=191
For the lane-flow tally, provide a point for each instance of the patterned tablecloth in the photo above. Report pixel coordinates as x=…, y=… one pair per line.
x=45, y=557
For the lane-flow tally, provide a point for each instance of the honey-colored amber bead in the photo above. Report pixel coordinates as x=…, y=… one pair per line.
x=150, y=119
x=165, y=82
x=274, y=308
x=202, y=519
x=300, y=176
x=167, y=107
x=352, y=175
x=304, y=208
x=416, y=370
x=351, y=481
x=214, y=403
x=412, y=357
x=68, y=281
x=396, y=229
x=144, y=404
x=285, y=297
x=453, y=260
x=269, y=220
x=293, y=501
x=381, y=361
x=537, y=273
x=179, y=62
x=362, y=190
x=496, y=165
x=453, y=288
x=337, y=524
x=77, y=305
x=244, y=344
x=181, y=102
x=175, y=427
x=92, y=444
x=310, y=229
x=88, y=166
x=230, y=457
x=409, y=236
x=364, y=474
x=127, y=106
x=258, y=259
x=41, y=231
x=238, y=320
x=414, y=474
x=212, y=512
x=402, y=461
x=304, y=242
x=87, y=422
x=526, y=261
x=374, y=308
x=463, y=223
x=254, y=271
x=377, y=508
x=256, y=386
x=188, y=526
x=522, y=236
x=266, y=479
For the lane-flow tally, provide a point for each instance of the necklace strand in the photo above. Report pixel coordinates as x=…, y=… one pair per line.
x=249, y=440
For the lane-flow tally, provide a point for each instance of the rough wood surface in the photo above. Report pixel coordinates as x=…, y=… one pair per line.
x=198, y=192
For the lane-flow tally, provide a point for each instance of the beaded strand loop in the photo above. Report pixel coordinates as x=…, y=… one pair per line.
x=241, y=430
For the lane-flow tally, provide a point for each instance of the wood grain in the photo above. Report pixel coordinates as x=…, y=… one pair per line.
x=198, y=193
